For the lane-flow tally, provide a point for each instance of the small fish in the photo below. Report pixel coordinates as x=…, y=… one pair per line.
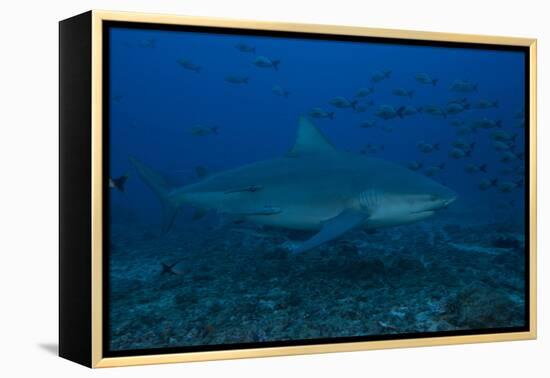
x=434, y=169
x=407, y=110
x=378, y=76
x=424, y=78
x=368, y=124
x=457, y=122
x=456, y=108
x=320, y=113
x=458, y=153
x=402, y=92
x=462, y=144
x=387, y=112
x=415, y=165
x=387, y=128
x=503, y=136
x=243, y=47
x=427, y=147
x=148, y=43
x=201, y=130
x=460, y=101
x=486, y=123
x=509, y=157
x=512, y=171
x=235, y=79
x=485, y=104
x=372, y=149
x=506, y=204
x=434, y=110
x=463, y=86
x=364, y=92
x=361, y=108
x=521, y=123
x=520, y=114
x=342, y=102
x=502, y=146
x=279, y=91
x=118, y=183
x=188, y=65
x=117, y=98
x=486, y=184
x=263, y=62
x=475, y=168
x=465, y=130
x=508, y=186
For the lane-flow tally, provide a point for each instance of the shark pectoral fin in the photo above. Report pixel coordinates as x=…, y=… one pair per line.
x=333, y=228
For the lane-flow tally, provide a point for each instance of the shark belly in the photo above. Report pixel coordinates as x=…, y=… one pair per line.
x=384, y=219
x=285, y=205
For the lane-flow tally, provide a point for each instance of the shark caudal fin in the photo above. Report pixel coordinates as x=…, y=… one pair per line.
x=162, y=190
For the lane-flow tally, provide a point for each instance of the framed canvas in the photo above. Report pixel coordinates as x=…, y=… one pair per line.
x=236, y=189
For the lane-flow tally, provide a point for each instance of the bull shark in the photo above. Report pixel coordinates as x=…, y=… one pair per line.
x=312, y=187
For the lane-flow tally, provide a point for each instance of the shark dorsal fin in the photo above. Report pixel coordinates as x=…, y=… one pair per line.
x=310, y=141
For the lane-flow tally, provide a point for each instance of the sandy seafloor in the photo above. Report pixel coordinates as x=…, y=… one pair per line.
x=235, y=283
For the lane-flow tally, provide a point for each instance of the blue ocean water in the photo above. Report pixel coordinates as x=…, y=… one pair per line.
x=173, y=107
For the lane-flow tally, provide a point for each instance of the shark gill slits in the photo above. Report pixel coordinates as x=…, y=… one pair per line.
x=368, y=199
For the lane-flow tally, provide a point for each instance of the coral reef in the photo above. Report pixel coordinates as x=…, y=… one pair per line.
x=238, y=285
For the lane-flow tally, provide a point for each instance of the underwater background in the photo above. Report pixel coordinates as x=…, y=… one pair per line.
x=189, y=104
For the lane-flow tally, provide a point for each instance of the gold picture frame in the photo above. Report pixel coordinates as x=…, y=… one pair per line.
x=93, y=353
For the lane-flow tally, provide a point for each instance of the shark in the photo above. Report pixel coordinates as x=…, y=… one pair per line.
x=314, y=186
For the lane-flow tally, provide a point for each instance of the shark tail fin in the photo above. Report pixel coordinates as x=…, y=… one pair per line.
x=162, y=190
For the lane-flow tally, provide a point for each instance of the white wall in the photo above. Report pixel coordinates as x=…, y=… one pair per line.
x=28, y=200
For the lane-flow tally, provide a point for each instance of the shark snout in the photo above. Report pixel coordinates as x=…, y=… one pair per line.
x=434, y=202
x=442, y=202
x=448, y=201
